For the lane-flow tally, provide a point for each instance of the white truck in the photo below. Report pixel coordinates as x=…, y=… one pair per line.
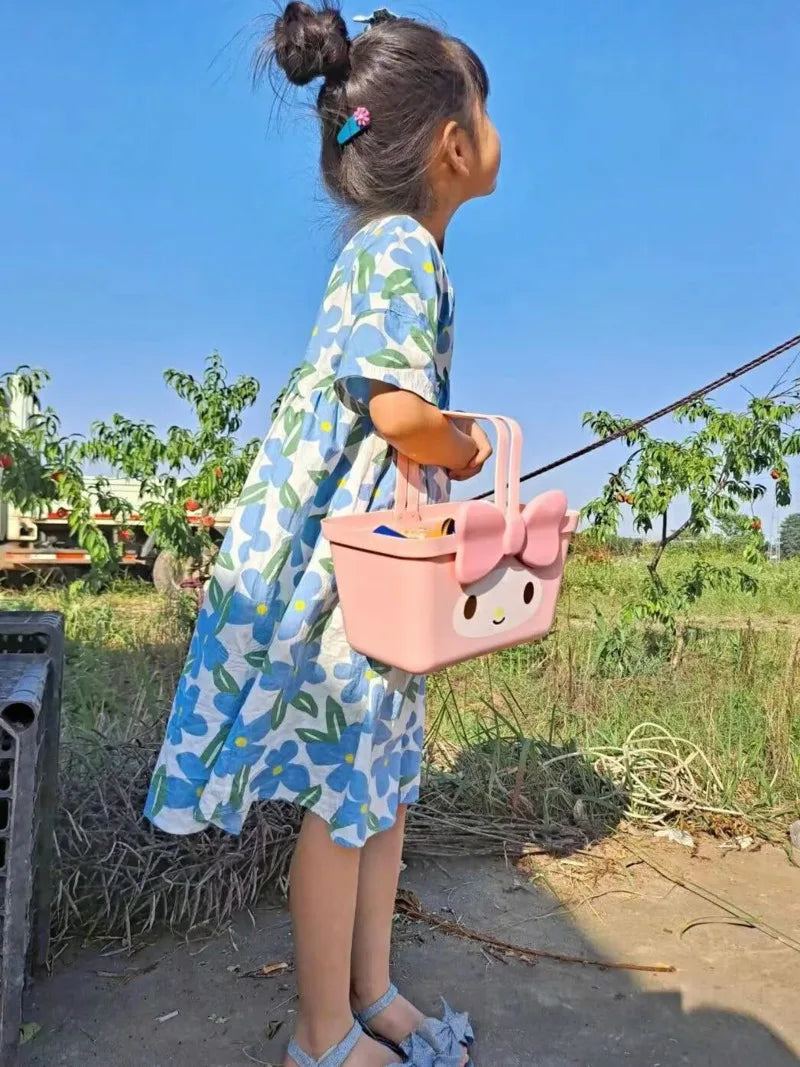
x=43, y=542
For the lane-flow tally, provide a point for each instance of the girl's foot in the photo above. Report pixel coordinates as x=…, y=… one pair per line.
x=397, y=1021
x=367, y=1053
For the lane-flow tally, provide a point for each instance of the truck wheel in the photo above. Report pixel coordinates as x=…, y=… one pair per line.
x=168, y=573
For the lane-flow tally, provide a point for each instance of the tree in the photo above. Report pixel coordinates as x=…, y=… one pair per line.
x=40, y=467
x=715, y=473
x=200, y=470
x=790, y=536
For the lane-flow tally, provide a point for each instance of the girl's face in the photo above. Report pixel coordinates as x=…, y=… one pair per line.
x=486, y=164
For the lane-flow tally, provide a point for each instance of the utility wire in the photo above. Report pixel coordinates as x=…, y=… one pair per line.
x=632, y=427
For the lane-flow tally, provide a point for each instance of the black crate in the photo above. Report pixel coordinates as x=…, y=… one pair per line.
x=31, y=670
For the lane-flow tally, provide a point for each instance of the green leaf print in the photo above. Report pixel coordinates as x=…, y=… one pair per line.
x=309, y=798
x=224, y=609
x=365, y=272
x=225, y=560
x=422, y=340
x=277, y=562
x=336, y=280
x=334, y=717
x=307, y=704
x=215, y=594
x=360, y=431
x=159, y=791
x=239, y=785
x=389, y=357
x=433, y=314
x=258, y=659
x=318, y=627
x=289, y=498
x=309, y=736
x=407, y=780
x=372, y=823
x=212, y=750
x=224, y=682
x=254, y=494
x=399, y=283
x=327, y=565
x=318, y=477
x=279, y=712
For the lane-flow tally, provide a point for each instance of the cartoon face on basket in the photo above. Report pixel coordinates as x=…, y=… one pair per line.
x=506, y=598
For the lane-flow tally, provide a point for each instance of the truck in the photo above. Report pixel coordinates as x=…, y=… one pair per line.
x=42, y=542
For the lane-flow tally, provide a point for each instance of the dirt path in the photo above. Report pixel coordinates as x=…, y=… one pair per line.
x=733, y=1001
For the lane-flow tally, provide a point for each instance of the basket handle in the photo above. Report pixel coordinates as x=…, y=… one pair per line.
x=508, y=463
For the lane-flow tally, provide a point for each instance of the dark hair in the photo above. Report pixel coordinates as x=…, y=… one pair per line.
x=409, y=75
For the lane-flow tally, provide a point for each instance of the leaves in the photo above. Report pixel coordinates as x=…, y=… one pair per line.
x=365, y=271
x=390, y=358
x=309, y=798
x=213, y=749
x=224, y=682
x=399, y=283
x=305, y=702
x=159, y=791
x=289, y=498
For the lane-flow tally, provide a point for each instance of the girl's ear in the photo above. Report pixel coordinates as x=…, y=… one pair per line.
x=455, y=148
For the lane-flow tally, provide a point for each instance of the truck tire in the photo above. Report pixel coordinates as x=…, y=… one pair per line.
x=168, y=573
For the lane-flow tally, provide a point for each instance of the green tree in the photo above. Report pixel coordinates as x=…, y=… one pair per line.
x=790, y=536
x=712, y=476
x=201, y=469
x=40, y=467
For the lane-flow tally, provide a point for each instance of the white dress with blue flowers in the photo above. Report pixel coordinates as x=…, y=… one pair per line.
x=273, y=703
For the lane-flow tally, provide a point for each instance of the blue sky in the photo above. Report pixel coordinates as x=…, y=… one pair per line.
x=644, y=238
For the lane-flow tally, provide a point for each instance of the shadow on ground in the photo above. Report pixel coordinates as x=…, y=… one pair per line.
x=106, y=1010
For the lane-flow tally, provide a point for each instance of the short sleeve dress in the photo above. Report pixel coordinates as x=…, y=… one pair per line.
x=272, y=703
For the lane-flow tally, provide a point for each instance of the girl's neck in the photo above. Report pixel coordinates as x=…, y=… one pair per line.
x=436, y=222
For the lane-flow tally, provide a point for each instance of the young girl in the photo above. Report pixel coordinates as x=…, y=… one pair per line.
x=273, y=704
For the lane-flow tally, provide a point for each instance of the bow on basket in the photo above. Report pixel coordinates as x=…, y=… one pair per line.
x=484, y=536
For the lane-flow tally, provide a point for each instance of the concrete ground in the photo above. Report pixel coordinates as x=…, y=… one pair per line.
x=734, y=1000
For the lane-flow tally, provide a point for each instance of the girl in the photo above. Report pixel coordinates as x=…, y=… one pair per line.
x=273, y=704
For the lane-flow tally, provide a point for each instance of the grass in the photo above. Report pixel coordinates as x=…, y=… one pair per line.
x=555, y=742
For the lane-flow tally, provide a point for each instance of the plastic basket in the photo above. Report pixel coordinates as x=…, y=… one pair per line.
x=493, y=583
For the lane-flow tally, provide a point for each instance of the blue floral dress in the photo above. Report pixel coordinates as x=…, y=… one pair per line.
x=273, y=703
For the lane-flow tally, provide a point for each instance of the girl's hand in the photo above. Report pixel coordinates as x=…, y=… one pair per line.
x=483, y=445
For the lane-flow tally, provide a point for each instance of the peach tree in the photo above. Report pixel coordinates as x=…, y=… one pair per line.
x=684, y=487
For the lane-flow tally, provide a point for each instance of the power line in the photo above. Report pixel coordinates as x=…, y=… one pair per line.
x=632, y=427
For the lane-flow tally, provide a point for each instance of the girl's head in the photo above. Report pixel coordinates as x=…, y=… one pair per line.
x=430, y=145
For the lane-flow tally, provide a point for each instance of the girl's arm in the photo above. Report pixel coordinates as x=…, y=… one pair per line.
x=420, y=431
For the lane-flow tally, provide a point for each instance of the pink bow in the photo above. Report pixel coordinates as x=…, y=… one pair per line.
x=484, y=537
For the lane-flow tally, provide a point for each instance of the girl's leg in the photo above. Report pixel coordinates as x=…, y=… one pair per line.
x=323, y=889
x=372, y=934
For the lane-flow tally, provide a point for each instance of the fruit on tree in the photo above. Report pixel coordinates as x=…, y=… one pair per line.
x=193, y=505
x=6, y=462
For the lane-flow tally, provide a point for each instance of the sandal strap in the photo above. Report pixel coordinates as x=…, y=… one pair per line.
x=334, y=1057
x=379, y=1006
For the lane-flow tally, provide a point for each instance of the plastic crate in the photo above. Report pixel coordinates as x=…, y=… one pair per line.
x=31, y=671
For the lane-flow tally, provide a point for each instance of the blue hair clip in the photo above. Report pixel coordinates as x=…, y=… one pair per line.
x=359, y=121
x=383, y=14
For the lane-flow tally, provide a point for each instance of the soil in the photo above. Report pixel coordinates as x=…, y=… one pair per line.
x=732, y=1000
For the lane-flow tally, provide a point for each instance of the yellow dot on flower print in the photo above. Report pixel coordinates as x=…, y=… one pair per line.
x=241, y=742
x=261, y=609
x=326, y=426
x=378, y=231
x=428, y=267
x=199, y=791
x=315, y=331
x=369, y=675
x=350, y=758
x=342, y=483
x=277, y=770
x=299, y=605
x=364, y=809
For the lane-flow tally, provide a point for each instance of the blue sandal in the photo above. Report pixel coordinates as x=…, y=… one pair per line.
x=435, y=1043
x=334, y=1057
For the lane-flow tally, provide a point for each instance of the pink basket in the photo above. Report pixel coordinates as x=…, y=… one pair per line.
x=421, y=605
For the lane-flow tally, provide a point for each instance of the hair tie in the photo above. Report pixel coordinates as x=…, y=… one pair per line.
x=359, y=121
x=383, y=14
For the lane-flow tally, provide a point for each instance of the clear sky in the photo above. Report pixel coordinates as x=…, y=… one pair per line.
x=645, y=235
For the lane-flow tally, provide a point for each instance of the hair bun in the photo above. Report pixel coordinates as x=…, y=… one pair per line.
x=311, y=43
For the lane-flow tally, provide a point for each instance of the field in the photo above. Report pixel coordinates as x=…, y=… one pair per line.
x=563, y=741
